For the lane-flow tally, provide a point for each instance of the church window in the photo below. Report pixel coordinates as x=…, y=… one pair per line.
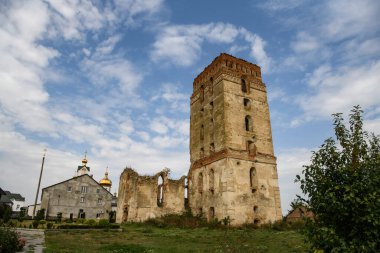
x=83, y=189
x=100, y=200
x=243, y=86
x=248, y=123
x=97, y=190
x=81, y=199
x=202, y=132
x=200, y=182
x=160, y=191
x=69, y=188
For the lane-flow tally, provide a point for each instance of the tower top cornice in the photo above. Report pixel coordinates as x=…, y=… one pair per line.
x=227, y=62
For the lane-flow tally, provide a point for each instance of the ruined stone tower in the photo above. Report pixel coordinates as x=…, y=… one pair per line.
x=233, y=169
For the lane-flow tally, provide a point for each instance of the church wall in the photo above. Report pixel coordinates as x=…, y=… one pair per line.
x=59, y=199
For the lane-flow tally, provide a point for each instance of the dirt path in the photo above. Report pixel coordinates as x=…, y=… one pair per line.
x=35, y=240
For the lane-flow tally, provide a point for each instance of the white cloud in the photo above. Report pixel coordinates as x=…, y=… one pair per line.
x=289, y=164
x=170, y=96
x=279, y=5
x=182, y=44
x=344, y=19
x=337, y=90
x=23, y=96
x=305, y=43
x=158, y=127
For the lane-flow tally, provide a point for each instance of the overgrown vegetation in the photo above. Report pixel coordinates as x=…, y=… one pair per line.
x=10, y=240
x=342, y=188
x=142, y=237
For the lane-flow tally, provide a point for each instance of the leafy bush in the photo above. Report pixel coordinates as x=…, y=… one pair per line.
x=341, y=186
x=91, y=222
x=184, y=220
x=40, y=214
x=10, y=241
x=36, y=223
x=42, y=222
x=7, y=214
x=104, y=223
x=80, y=221
x=86, y=226
x=49, y=225
x=59, y=217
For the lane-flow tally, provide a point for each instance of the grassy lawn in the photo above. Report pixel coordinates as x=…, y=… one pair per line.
x=144, y=238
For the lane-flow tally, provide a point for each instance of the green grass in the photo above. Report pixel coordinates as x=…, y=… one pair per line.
x=144, y=238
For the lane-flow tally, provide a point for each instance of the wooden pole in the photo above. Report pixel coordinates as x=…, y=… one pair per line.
x=39, y=182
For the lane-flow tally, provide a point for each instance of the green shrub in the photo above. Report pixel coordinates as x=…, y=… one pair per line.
x=49, y=225
x=91, y=222
x=59, y=217
x=40, y=214
x=10, y=241
x=86, y=226
x=184, y=220
x=42, y=222
x=80, y=221
x=7, y=214
x=68, y=221
x=104, y=223
x=36, y=223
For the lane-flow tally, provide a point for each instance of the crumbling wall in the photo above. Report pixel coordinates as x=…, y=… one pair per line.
x=144, y=197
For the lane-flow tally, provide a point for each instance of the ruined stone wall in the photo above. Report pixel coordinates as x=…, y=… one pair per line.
x=233, y=169
x=140, y=199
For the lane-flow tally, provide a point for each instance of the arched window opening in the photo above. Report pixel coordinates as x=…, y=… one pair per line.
x=243, y=86
x=256, y=222
x=212, y=147
x=248, y=123
x=211, y=129
x=186, y=194
x=202, y=152
x=202, y=133
x=251, y=147
x=255, y=208
x=200, y=182
x=211, y=213
x=202, y=93
x=211, y=85
x=211, y=106
x=247, y=103
x=211, y=181
x=160, y=191
x=253, y=179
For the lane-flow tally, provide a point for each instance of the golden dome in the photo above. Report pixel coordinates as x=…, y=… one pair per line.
x=105, y=182
x=84, y=160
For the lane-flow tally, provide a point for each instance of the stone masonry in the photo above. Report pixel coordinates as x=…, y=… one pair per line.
x=233, y=170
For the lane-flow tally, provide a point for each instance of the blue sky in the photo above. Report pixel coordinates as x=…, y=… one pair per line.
x=114, y=78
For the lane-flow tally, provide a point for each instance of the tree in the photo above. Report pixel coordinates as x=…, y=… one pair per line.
x=40, y=214
x=342, y=189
